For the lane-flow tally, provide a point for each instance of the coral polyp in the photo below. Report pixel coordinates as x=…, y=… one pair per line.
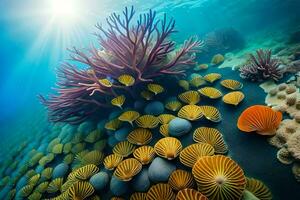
x=131, y=54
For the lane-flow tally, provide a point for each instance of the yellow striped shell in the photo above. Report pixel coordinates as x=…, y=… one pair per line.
x=210, y=92
x=55, y=185
x=85, y=172
x=144, y=154
x=147, y=121
x=181, y=179
x=160, y=191
x=258, y=189
x=155, y=88
x=190, y=194
x=184, y=84
x=93, y=157
x=126, y=80
x=211, y=113
x=219, y=177
x=168, y=147
x=197, y=81
x=211, y=136
x=173, y=105
x=138, y=196
x=113, y=124
x=127, y=169
x=111, y=161
x=190, y=112
x=147, y=95
x=189, y=97
x=232, y=84
x=164, y=130
x=140, y=136
x=192, y=153
x=123, y=148
x=80, y=190
x=165, y=118
x=233, y=98
x=212, y=77
x=105, y=82
x=118, y=101
x=129, y=116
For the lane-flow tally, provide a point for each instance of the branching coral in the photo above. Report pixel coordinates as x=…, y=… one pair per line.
x=141, y=51
x=261, y=67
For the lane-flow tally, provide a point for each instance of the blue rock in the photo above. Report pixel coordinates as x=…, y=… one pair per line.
x=121, y=134
x=21, y=183
x=141, y=182
x=179, y=127
x=139, y=105
x=154, y=108
x=60, y=171
x=101, y=125
x=4, y=192
x=112, y=141
x=39, y=169
x=99, y=180
x=118, y=187
x=160, y=170
x=86, y=127
x=115, y=114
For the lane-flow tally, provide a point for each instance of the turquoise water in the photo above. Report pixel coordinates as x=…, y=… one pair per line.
x=35, y=36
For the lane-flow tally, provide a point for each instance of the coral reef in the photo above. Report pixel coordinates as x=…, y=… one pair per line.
x=130, y=54
x=261, y=67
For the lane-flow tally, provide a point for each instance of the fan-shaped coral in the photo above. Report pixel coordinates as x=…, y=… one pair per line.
x=34, y=179
x=118, y=101
x=93, y=157
x=92, y=136
x=212, y=77
x=140, y=136
x=123, y=149
x=126, y=80
x=219, y=177
x=192, y=153
x=190, y=112
x=211, y=113
x=190, y=194
x=211, y=136
x=55, y=185
x=173, y=105
x=26, y=190
x=147, y=121
x=168, y=147
x=129, y=116
x=261, y=67
x=184, y=84
x=261, y=119
x=189, y=97
x=181, y=179
x=111, y=161
x=165, y=118
x=155, y=88
x=127, y=169
x=113, y=124
x=232, y=84
x=80, y=190
x=144, y=154
x=160, y=191
x=258, y=189
x=210, y=92
x=233, y=98
x=42, y=187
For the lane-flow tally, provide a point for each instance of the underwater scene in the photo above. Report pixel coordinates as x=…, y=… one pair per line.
x=150, y=100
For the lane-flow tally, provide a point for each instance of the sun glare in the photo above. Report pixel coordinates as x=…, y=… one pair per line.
x=64, y=11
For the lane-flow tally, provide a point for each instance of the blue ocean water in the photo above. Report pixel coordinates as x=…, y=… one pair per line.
x=33, y=45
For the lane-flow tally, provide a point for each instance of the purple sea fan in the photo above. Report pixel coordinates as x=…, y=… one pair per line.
x=142, y=50
x=261, y=67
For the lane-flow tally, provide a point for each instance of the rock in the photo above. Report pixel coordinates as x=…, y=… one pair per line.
x=115, y=114
x=101, y=125
x=121, y=134
x=154, y=108
x=139, y=105
x=160, y=170
x=39, y=169
x=112, y=141
x=99, y=180
x=22, y=182
x=179, y=127
x=118, y=187
x=60, y=171
x=141, y=182
x=86, y=127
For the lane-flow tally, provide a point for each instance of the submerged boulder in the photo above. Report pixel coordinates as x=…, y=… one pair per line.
x=118, y=187
x=60, y=171
x=179, y=127
x=154, y=108
x=99, y=180
x=141, y=182
x=160, y=170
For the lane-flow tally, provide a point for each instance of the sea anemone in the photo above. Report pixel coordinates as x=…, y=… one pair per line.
x=261, y=119
x=210, y=136
x=192, y=153
x=261, y=67
x=132, y=54
x=127, y=169
x=219, y=177
x=168, y=147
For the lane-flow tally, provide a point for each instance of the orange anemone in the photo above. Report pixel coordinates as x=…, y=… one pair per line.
x=261, y=119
